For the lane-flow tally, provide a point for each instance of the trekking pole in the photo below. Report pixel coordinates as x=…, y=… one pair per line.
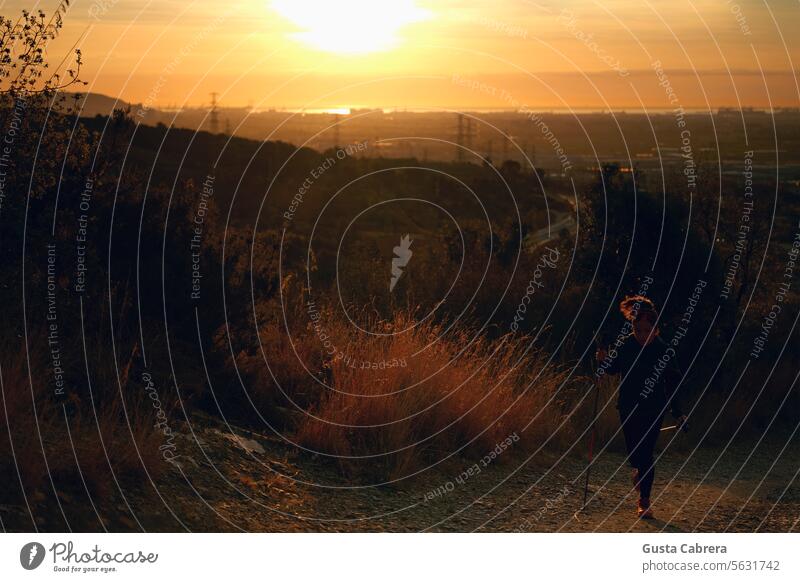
x=592, y=437
x=684, y=427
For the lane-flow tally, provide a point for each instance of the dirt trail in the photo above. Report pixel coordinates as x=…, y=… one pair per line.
x=254, y=483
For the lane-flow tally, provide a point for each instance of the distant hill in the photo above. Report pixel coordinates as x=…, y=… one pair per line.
x=92, y=104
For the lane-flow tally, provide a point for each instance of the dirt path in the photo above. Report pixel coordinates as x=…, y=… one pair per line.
x=253, y=483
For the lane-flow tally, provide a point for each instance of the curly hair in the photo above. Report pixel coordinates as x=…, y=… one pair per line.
x=634, y=307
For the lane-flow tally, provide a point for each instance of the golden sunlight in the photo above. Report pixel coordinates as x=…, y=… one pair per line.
x=349, y=26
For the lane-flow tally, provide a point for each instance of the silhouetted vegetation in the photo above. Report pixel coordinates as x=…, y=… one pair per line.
x=142, y=261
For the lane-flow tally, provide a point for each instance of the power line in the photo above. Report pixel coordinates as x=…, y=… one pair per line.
x=213, y=116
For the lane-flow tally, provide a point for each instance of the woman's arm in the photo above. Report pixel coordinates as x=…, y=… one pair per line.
x=612, y=362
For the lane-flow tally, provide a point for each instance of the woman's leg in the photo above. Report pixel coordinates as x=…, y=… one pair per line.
x=634, y=431
x=651, y=430
x=641, y=429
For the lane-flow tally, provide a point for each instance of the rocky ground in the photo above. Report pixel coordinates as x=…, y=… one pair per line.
x=240, y=481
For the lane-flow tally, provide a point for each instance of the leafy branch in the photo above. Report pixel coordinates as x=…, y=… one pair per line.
x=23, y=51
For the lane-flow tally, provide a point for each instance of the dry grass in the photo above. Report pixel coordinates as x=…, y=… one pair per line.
x=461, y=394
x=280, y=381
x=45, y=443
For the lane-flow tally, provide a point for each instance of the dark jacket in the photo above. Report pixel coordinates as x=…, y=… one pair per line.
x=650, y=376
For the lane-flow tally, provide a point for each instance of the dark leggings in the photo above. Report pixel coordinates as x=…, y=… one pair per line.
x=641, y=429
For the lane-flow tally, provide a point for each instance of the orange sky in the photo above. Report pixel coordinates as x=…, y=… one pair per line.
x=436, y=53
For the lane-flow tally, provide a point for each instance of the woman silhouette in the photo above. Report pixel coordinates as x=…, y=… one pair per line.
x=650, y=377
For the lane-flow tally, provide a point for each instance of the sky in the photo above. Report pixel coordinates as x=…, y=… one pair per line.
x=498, y=54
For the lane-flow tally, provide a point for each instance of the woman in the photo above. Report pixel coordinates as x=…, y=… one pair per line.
x=650, y=377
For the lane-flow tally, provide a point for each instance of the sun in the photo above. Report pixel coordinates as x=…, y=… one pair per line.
x=349, y=26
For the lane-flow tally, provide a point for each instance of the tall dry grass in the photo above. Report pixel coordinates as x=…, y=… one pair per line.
x=458, y=393
x=70, y=445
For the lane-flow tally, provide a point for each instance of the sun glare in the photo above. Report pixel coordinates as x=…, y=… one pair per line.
x=349, y=26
